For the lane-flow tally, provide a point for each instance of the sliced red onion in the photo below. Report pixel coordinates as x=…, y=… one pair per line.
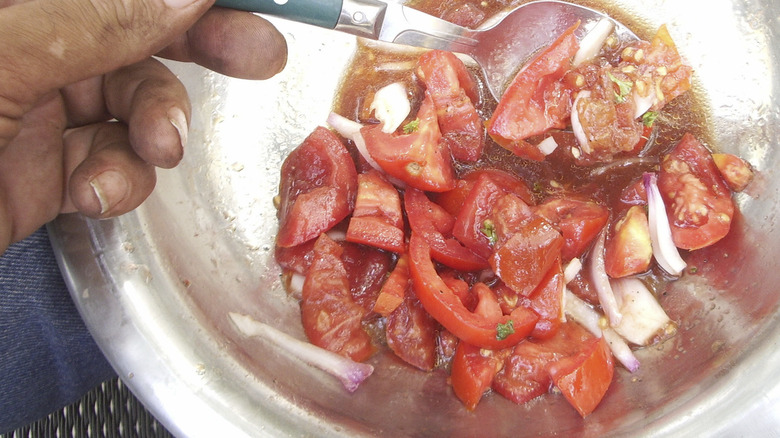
x=576, y=126
x=547, y=146
x=644, y=320
x=351, y=130
x=664, y=250
x=593, y=41
x=585, y=315
x=391, y=106
x=350, y=373
x=598, y=274
x=572, y=269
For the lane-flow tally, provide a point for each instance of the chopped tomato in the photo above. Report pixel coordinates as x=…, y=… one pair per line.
x=420, y=159
x=472, y=224
x=296, y=258
x=698, y=201
x=395, y=287
x=454, y=92
x=579, y=221
x=735, y=171
x=472, y=373
x=444, y=306
x=453, y=200
x=434, y=224
x=377, y=219
x=547, y=302
x=318, y=188
x=367, y=268
x=585, y=378
x=411, y=333
x=331, y=318
x=527, y=245
x=629, y=250
x=526, y=371
x=536, y=100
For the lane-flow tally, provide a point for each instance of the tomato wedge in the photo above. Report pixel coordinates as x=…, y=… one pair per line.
x=735, y=171
x=628, y=250
x=578, y=220
x=394, y=288
x=318, y=188
x=698, y=201
x=377, y=219
x=411, y=333
x=420, y=159
x=434, y=224
x=472, y=373
x=585, y=378
x=444, y=306
x=331, y=318
x=536, y=100
x=454, y=92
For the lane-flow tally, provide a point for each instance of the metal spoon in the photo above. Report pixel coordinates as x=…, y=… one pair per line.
x=499, y=48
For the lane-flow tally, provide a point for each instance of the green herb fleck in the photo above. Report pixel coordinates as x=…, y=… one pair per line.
x=504, y=330
x=411, y=126
x=538, y=187
x=649, y=117
x=489, y=230
x=623, y=85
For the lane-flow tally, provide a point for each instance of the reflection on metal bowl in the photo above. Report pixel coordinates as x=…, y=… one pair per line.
x=155, y=286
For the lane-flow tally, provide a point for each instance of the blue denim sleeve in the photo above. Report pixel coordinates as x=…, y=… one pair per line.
x=48, y=359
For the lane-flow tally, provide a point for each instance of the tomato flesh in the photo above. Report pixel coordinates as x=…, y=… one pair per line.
x=377, y=219
x=579, y=221
x=585, y=378
x=318, y=188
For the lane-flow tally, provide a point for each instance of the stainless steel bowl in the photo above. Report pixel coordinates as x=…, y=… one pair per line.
x=155, y=286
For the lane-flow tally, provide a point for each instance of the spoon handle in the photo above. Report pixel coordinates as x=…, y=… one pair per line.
x=322, y=13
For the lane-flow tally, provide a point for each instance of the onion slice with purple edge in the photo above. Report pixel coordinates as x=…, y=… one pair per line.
x=585, y=315
x=350, y=373
x=664, y=250
x=600, y=278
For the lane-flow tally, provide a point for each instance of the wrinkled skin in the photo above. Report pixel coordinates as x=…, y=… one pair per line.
x=84, y=63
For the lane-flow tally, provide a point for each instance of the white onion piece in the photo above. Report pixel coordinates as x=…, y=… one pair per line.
x=642, y=103
x=643, y=317
x=391, y=106
x=585, y=315
x=296, y=284
x=664, y=250
x=598, y=274
x=571, y=270
x=576, y=126
x=351, y=130
x=591, y=43
x=349, y=372
x=547, y=146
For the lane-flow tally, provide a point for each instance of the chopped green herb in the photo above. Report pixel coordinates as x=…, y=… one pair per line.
x=538, y=187
x=411, y=126
x=624, y=87
x=504, y=330
x=649, y=117
x=489, y=230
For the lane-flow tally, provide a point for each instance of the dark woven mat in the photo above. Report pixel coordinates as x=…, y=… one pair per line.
x=110, y=410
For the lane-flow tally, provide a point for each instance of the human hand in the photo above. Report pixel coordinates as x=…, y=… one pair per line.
x=70, y=66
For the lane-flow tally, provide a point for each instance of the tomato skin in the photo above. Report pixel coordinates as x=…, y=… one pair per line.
x=419, y=159
x=547, y=301
x=579, y=221
x=698, y=201
x=394, y=288
x=527, y=245
x=454, y=92
x=377, y=219
x=472, y=373
x=444, y=306
x=331, y=318
x=318, y=188
x=629, y=250
x=535, y=100
x=585, y=378
x=367, y=268
x=411, y=333
x=434, y=224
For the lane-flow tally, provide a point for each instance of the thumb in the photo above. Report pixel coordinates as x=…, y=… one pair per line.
x=48, y=44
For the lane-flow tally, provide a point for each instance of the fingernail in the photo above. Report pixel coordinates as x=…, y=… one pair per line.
x=110, y=188
x=178, y=4
x=179, y=121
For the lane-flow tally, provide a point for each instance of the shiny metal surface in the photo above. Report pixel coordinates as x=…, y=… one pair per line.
x=155, y=286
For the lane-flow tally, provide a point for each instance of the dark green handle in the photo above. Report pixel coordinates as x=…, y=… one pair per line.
x=322, y=13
